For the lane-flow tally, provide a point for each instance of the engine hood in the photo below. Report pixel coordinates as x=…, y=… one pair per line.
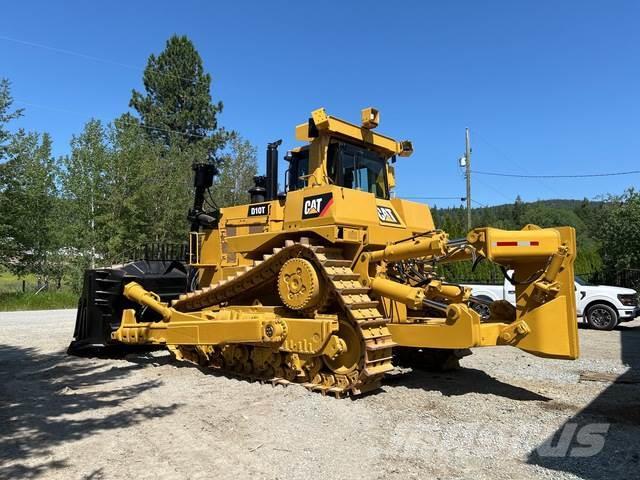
x=605, y=289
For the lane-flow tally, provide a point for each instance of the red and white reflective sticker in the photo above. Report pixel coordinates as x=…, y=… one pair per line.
x=520, y=243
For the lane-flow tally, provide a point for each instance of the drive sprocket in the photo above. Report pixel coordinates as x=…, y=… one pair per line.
x=299, y=286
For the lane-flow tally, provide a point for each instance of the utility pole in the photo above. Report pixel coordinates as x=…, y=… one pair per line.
x=467, y=157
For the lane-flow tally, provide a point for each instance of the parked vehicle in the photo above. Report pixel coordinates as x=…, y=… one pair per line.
x=602, y=307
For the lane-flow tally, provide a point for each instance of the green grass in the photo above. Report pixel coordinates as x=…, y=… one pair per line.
x=12, y=297
x=11, y=283
x=42, y=301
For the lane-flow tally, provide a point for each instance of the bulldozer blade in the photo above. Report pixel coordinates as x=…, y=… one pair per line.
x=101, y=304
x=553, y=325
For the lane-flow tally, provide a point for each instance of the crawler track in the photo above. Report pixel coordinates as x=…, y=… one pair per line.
x=345, y=297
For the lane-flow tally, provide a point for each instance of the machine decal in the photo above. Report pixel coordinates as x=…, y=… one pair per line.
x=316, y=206
x=258, y=210
x=520, y=243
x=387, y=215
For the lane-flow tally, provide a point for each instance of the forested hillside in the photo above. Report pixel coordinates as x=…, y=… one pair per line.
x=607, y=231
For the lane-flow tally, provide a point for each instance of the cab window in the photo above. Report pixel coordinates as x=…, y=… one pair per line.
x=355, y=167
x=298, y=170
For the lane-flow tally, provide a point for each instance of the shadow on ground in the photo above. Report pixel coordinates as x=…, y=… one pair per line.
x=462, y=382
x=50, y=399
x=601, y=441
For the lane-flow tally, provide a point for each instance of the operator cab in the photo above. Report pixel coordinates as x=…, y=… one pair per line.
x=358, y=168
x=348, y=165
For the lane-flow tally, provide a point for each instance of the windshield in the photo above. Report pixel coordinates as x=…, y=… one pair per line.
x=358, y=168
x=581, y=281
x=367, y=175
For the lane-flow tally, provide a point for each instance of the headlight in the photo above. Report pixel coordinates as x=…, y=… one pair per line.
x=629, y=300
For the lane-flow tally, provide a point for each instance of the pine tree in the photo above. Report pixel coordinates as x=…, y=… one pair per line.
x=179, y=118
x=177, y=106
x=518, y=212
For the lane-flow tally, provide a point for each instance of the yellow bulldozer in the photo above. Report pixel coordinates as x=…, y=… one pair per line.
x=325, y=283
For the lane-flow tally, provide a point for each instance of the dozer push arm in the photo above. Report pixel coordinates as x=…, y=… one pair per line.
x=432, y=245
x=254, y=325
x=530, y=248
x=543, y=321
x=419, y=297
x=192, y=328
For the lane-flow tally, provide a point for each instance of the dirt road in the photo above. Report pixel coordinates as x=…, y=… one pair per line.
x=144, y=416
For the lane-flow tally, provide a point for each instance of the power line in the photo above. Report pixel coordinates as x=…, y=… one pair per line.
x=132, y=122
x=102, y=60
x=87, y=57
x=589, y=175
x=166, y=130
x=68, y=52
x=435, y=198
x=511, y=159
x=491, y=187
x=462, y=199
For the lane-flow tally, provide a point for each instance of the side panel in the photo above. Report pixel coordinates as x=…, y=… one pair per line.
x=417, y=216
x=244, y=229
x=384, y=220
x=217, y=246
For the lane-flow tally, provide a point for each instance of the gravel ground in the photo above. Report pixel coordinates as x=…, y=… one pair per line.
x=145, y=417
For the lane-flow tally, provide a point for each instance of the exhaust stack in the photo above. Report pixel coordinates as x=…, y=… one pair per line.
x=272, y=170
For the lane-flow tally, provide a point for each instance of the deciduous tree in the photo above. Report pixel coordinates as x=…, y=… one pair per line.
x=618, y=233
x=85, y=192
x=6, y=114
x=31, y=235
x=238, y=166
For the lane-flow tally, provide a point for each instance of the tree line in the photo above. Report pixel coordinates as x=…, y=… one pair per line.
x=128, y=183
x=124, y=183
x=606, y=231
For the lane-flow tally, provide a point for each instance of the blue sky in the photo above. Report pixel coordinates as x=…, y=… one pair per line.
x=546, y=87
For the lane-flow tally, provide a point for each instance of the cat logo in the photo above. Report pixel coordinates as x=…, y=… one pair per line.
x=386, y=215
x=316, y=206
x=258, y=210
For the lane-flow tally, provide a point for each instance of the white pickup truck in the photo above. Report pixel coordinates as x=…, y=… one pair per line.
x=600, y=306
